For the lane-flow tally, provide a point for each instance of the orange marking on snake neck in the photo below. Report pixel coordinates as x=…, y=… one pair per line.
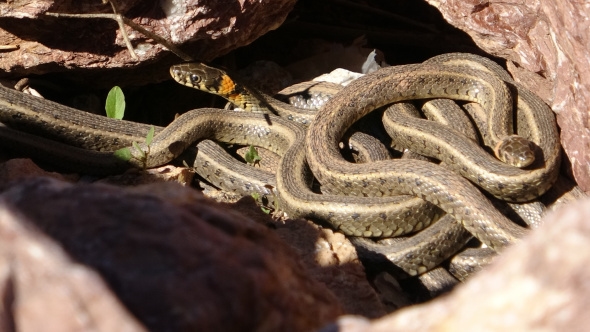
x=227, y=86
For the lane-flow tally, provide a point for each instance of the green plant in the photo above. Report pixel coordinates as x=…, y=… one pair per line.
x=115, y=108
x=251, y=156
x=115, y=104
x=262, y=201
x=126, y=155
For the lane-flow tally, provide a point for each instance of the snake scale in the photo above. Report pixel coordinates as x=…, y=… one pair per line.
x=416, y=178
x=369, y=207
x=455, y=195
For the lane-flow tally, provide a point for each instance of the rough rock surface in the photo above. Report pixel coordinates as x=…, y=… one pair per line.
x=540, y=284
x=546, y=37
x=174, y=259
x=333, y=260
x=209, y=29
x=43, y=289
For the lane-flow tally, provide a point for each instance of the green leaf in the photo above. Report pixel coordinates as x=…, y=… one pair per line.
x=255, y=195
x=123, y=154
x=150, y=136
x=115, y=105
x=138, y=148
x=252, y=156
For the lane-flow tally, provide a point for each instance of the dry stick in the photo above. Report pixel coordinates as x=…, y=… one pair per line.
x=119, y=18
x=123, y=20
x=22, y=84
x=115, y=16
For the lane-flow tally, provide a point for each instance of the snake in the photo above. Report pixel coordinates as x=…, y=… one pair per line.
x=299, y=201
x=455, y=195
x=550, y=147
x=97, y=136
x=217, y=81
x=79, y=154
x=429, y=81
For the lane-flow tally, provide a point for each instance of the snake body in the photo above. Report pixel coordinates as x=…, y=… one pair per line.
x=420, y=81
x=453, y=194
x=361, y=217
x=353, y=214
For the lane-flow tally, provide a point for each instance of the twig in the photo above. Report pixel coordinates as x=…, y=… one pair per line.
x=119, y=18
x=123, y=20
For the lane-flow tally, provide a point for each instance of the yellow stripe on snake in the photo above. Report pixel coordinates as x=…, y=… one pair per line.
x=457, y=79
x=369, y=206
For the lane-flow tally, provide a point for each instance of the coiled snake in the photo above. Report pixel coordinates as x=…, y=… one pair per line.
x=439, y=186
x=369, y=207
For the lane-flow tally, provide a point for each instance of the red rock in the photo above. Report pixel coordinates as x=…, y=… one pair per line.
x=43, y=289
x=549, y=38
x=160, y=255
x=539, y=284
x=206, y=29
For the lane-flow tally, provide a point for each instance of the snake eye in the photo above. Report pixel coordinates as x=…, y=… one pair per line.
x=195, y=78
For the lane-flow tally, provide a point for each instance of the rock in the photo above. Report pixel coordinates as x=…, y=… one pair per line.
x=22, y=168
x=73, y=254
x=538, y=284
x=205, y=28
x=43, y=289
x=332, y=260
x=549, y=38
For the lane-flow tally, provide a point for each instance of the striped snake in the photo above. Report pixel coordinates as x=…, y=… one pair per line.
x=354, y=215
x=452, y=76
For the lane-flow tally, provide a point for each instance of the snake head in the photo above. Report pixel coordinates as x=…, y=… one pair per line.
x=197, y=75
x=516, y=151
